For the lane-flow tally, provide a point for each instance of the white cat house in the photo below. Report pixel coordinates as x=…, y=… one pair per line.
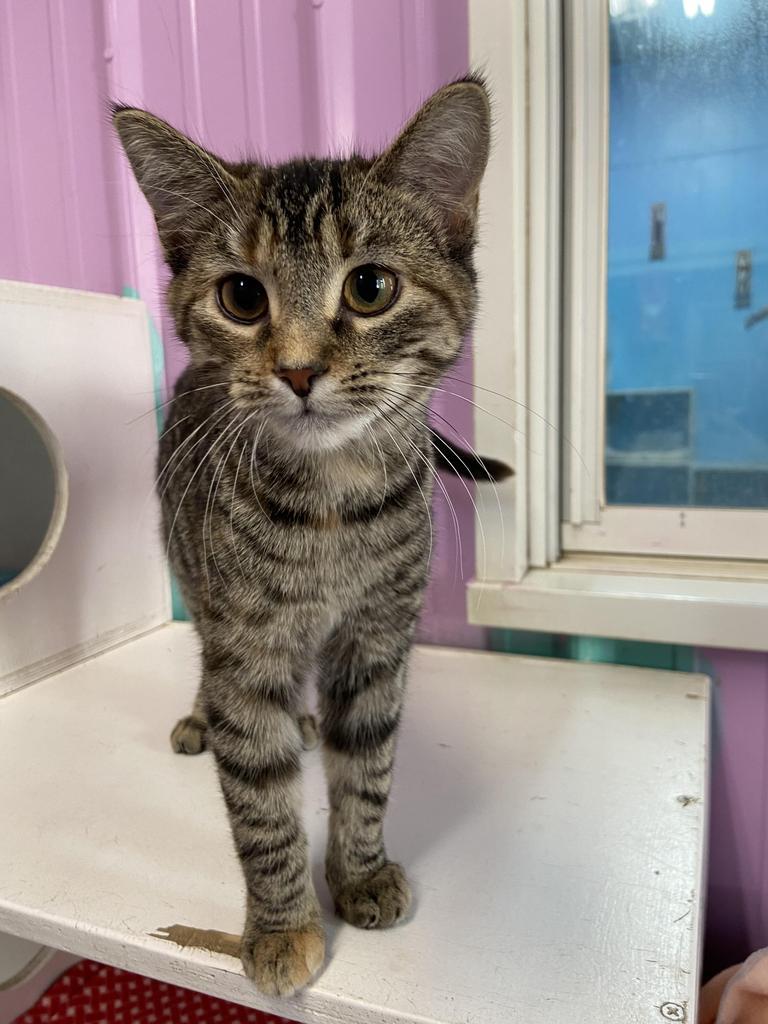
x=551, y=814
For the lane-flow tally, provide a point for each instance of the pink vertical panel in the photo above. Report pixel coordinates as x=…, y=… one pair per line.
x=218, y=57
x=282, y=60
x=34, y=145
x=334, y=42
x=140, y=260
x=156, y=56
x=150, y=69
x=379, y=89
x=737, y=915
x=57, y=224
x=77, y=47
x=15, y=259
x=255, y=78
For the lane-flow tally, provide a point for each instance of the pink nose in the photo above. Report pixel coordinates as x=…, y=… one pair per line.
x=300, y=380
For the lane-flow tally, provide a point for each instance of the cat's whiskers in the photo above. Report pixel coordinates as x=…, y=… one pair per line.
x=220, y=411
x=153, y=447
x=153, y=489
x=254, y=447
x=232, y=515
x=189, y=484
x=506, y=398
x=216, y=478
x=205, y=522
x=478, y=518
x=226, y=459
x=456, y=528
x=472, y=451
x=383, y=467
x=436, y=389
x=162, y=405
x=173, y=425
x=427, y=509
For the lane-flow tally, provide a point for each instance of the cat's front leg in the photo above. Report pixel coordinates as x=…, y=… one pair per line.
x=251, y=711
x=361, y=689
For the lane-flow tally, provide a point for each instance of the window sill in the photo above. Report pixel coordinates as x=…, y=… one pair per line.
x=658, y=600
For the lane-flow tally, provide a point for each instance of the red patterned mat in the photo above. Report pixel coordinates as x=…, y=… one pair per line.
x=90, y=993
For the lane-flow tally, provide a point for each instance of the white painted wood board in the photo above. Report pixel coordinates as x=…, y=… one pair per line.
x=657, y=607
x=537, y=806
x=83, y=362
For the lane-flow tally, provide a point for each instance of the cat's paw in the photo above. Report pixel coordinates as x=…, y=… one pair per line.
x=188, y=736
x=279, y=963
x=308, y=730
x=379, y=901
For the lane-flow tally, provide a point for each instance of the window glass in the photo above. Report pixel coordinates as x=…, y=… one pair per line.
x=687, y=371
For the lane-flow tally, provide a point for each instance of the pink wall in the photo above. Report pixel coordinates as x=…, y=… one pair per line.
x=57, y=183
x=273, y=77
x=737, y=920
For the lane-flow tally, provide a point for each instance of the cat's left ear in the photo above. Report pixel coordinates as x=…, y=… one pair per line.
x=442, y=152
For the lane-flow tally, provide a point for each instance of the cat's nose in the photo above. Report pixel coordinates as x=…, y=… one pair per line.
x=300, y=379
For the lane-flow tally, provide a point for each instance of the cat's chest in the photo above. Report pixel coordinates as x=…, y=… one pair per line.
x=299, y=532
x=328, y=551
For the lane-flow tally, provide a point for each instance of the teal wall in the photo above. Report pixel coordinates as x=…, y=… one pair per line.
x=597, y=649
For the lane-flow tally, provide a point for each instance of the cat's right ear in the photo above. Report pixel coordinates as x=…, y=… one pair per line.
x=183, y=183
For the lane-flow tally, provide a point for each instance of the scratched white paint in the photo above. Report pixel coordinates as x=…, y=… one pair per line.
x=537, y=807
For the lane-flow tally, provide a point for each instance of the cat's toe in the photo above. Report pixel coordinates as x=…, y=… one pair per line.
x=308, y=730
x=379, y=901
x=188, y=736
x=279, y=963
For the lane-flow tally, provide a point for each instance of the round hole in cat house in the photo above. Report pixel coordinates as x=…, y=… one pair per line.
x=33, y=492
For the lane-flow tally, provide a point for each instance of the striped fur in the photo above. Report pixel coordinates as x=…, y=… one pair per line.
x=299, y=530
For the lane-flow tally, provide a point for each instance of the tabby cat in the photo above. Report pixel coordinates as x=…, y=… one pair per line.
x=321, y=301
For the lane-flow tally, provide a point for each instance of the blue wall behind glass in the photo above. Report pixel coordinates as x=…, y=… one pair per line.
x=689, y=128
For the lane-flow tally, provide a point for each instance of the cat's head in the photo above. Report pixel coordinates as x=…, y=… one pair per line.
x=326, y=292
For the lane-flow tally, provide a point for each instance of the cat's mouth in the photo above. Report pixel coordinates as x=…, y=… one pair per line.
x=320, y=422
x=313, y=411
x=310, y=415
x=308, y=412
x=317, y=428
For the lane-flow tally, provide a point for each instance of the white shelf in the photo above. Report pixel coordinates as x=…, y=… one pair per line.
x=537, y=806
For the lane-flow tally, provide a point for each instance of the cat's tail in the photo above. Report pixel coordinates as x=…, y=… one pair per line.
x=453, y=459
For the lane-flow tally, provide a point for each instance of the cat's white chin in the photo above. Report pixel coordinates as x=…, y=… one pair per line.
x=318, y=432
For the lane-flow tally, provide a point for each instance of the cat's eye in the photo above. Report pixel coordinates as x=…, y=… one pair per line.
x=369, y=290
x=242, y=298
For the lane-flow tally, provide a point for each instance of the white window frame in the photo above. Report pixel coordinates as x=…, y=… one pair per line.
x=550, y=555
